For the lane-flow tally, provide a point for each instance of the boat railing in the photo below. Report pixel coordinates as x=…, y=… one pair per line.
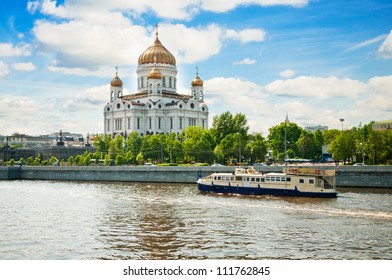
x=309, y=171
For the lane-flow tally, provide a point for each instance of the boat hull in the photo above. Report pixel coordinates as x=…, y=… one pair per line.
x=262, y=191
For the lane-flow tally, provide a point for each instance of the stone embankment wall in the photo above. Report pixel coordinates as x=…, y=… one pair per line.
x=347, y=176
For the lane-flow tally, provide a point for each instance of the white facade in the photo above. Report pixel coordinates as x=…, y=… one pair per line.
x=156, y=107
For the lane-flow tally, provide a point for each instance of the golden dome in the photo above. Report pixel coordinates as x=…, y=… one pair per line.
x=159, y=51
x=116, y=82
x=197, y=82
x=155, y=74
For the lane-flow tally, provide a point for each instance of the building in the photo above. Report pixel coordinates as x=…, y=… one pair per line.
x=156, y=107
x=314, y=128
x=27, y=141
x=382, y=125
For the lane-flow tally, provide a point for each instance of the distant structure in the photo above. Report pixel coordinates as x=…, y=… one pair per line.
x=314, y=128
x=27, y=141
x=156, y=107
x=382, y=125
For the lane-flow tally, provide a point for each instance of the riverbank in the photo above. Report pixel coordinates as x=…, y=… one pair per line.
x=346, y=176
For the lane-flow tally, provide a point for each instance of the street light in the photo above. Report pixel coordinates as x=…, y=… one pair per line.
x=341, y=120
x=362, y=144
x=239, y=148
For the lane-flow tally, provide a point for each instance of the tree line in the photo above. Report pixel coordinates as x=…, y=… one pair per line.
x=228, y=141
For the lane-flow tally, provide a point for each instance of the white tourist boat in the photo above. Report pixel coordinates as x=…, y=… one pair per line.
x=298, y=182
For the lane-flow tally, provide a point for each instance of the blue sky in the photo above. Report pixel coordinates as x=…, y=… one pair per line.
x=317, y=61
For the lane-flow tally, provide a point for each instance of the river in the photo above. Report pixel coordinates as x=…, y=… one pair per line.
x=77, y=220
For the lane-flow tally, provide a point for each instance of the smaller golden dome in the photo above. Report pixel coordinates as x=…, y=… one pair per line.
x=197, y=82
x=155, y=73
x=116, y=82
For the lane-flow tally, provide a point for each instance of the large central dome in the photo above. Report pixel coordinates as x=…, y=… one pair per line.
x=159, y=51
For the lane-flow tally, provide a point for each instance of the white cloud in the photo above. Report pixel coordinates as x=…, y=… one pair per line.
x=4, y=71
x=173, y=9
x=92, y=43
x=80, y=112
x=196, y=44
x=235, y=95
x=364, y=101
x=7, y=49
x=24, y=67
x=385, y=49
x=367, y=42
x=316, y=87
x=245, y=61
x=224, y=6
x=288, y=73
x=97, y=34
x=33, y=6
x=86, y=44
x=246, y=35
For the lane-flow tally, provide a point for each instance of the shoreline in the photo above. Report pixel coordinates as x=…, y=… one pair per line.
x=346, y=176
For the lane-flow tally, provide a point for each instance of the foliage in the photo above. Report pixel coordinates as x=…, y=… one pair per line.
x=276, y=139
x=343, y=146
x=229, y=140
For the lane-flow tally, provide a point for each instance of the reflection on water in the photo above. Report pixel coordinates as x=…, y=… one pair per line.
x=70, y=220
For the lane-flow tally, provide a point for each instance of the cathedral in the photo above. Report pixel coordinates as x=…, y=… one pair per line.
x=156, y=107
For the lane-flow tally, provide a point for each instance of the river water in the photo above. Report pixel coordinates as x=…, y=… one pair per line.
x=76, y=220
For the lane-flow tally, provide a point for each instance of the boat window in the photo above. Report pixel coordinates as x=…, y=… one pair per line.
x=253, y=179
x=278, y=179
x=238, y=178
x=272, y=179
x=261, y=179
x=288, y=179
x=268, y=179
x=282, y=179
x=301, y=181
x=219, y=177
x=311, y=181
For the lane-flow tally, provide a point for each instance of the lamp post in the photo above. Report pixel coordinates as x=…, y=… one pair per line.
x=341, y=120
x=239, y=148
x=362, y=144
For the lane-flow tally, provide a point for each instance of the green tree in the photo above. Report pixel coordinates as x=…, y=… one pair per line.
x=78, y=159
x=129, y=157
x=120, y=160
x=134, y=143
x=330, y=135
x=257, y=147
x=116, y=146
x=140, y=158
x=307, y=146
x=226, y=124
x=343, y=147
x=53, y=160
x=198, y=144
x=228, y=148
x=107, y=160
x=37, y=160
x=71, y=160
x=30, y=161
x=152, y=147
x=276, y=139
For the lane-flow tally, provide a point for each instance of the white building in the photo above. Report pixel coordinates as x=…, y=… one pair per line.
x=314, y=128
x=156, y=107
